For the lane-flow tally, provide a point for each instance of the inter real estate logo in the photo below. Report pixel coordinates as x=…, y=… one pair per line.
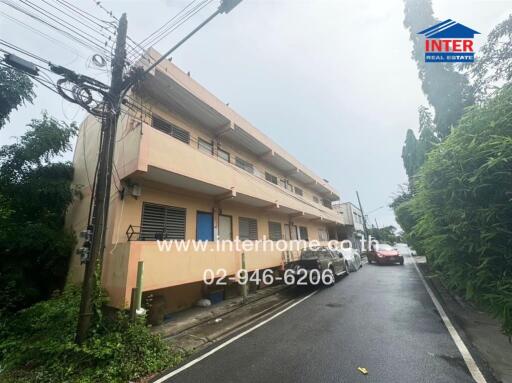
x=449, y=41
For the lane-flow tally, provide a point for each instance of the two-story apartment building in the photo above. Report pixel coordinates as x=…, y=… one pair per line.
x=189, y=167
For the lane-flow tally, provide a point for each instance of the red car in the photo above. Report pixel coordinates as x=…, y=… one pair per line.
x=383, y=253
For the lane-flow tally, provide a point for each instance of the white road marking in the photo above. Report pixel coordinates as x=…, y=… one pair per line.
x=466, y=355
x=231, y=340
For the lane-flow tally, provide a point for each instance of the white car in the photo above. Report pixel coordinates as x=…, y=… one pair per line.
x=352, y=259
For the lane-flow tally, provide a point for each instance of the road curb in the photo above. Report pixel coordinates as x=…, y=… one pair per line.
x=442, y=294
x=166, y=333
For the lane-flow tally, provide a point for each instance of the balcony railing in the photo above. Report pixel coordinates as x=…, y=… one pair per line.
x=133, y=233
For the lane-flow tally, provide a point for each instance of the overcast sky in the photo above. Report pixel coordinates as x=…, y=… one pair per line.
x=330, y=81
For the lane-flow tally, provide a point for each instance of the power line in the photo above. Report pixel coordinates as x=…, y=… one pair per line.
x=108, y=37
x=46, y=83
x=225, y=7
x=94, y=40
x=146, y=42
x=96, y=19
x=71, y=35
x=169, y=21
x=35, y=17
x=135, y=104
x=171, y=25
x=42, y=34
x=187, y=16
x=86, y=15
x=23, y=51
x=110, y=13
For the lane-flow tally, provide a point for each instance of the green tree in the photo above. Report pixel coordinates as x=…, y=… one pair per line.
x=427, y=141
x=415, y=150
x=15, y=89
x=493, y=66
x=34, y=195
x=425, y=119
x=385, y=234
x=410, y=154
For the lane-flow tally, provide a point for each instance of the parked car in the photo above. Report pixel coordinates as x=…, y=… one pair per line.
x=352, y=258
x=404, y=249
x=383, y=253
x=320, y=262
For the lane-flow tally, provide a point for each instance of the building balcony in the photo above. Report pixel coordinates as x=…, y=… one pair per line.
x=152, y=155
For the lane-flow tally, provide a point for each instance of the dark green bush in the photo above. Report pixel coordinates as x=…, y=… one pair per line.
x=37, y=345
x=462, y=209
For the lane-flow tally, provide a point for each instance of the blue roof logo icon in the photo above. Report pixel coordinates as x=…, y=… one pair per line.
x=448, y=29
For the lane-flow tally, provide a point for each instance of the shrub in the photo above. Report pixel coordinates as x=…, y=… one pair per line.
x=37, y=345
x=462, y=207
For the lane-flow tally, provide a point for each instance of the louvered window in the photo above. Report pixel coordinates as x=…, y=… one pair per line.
x=274, y=231
x=162, y=222
x=248, y=228
x=171, y=129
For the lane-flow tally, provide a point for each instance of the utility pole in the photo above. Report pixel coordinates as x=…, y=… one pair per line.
x=102, y=189
x=364, y=218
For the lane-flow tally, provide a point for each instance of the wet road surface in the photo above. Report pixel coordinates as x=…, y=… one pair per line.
x=380, y=318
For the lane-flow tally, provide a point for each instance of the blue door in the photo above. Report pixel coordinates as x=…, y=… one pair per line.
x=204, y=226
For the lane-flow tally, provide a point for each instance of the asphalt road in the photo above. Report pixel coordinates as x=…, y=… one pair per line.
x=380, y=318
